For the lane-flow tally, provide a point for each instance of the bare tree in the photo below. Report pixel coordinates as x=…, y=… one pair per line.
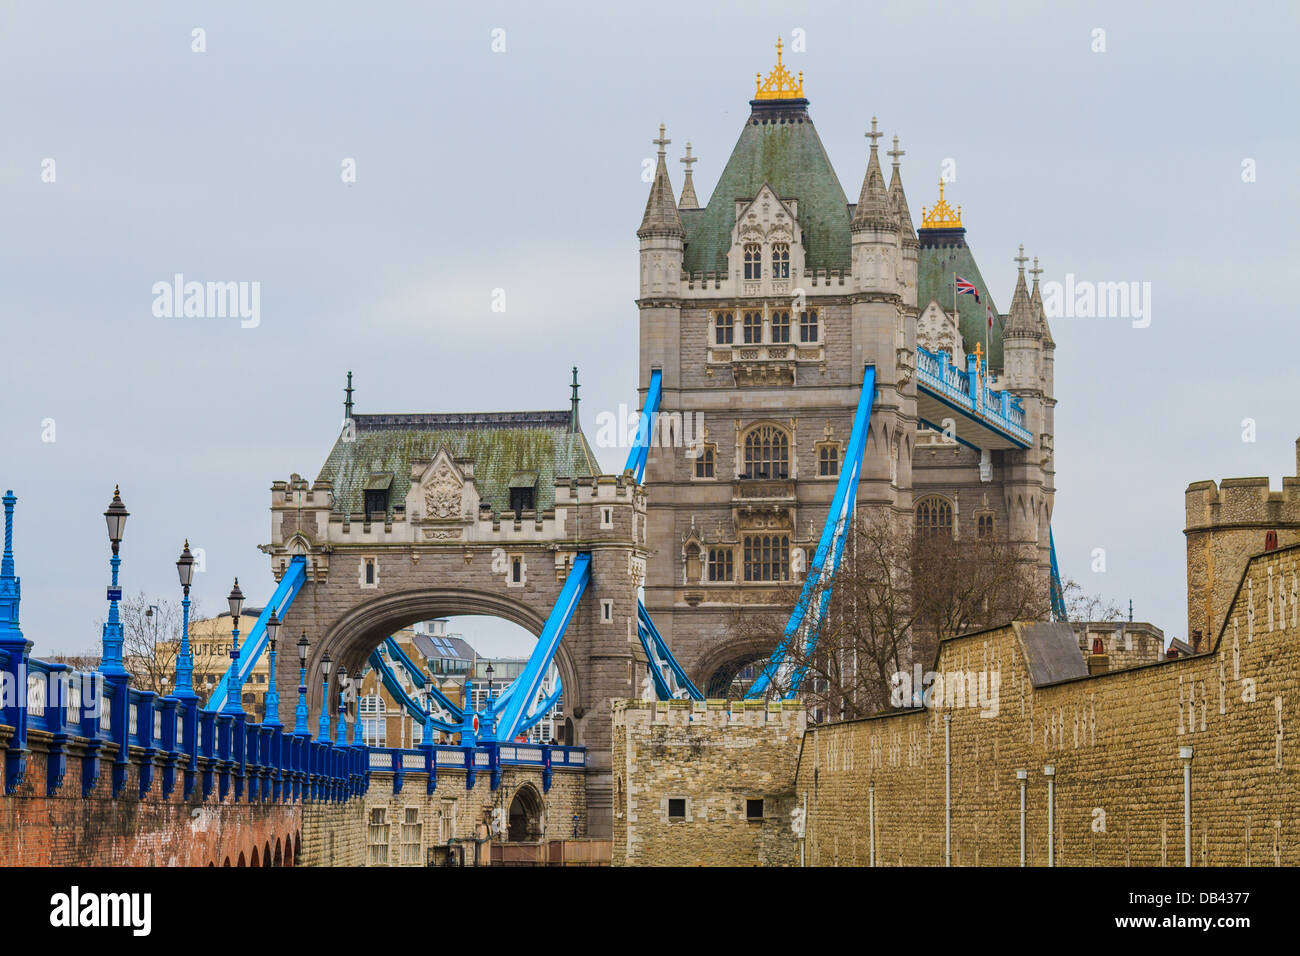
x=1081, y=606
x=897, y=594
x=151, y=635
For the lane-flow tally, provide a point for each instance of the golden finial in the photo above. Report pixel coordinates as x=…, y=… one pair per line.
x=780, y=83
x=942, y=215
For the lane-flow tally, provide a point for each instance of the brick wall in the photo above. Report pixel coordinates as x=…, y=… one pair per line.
x=70, y=830
x=714, y=757
x=1114, y=741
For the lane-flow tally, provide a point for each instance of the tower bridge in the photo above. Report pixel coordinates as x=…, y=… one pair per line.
x=811, y=337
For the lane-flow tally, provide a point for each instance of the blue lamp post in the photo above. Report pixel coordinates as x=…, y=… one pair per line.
x=234, y=686
x=300, y=727
x=272, y=717
x=115, y=517
x=323, y=731
x=184, y=661
x=342, y=738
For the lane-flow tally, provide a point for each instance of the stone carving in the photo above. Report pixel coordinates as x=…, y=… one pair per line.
x=442, y=492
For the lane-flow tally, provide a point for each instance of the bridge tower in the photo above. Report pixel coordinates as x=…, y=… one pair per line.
x=421, y=516
x=762, y=308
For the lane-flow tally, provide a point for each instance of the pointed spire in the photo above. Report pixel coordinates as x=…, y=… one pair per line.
x=897, y=199
x=873, y=202
x=661, y=217
x=689, y=200
x=1036, y=305
x=573, y=402
x=347, y=402
x=1021, y=320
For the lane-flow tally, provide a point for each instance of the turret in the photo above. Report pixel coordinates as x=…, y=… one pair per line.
x=661, y=233
x=907, y=233
x=1022, y=338
x=688, y=201
x=874, y=229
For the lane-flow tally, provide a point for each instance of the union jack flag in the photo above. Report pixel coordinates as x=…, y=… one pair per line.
x=967, y=288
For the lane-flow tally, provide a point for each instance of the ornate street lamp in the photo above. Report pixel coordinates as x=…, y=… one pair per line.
x=115, y=517
x=343, y=711
x=323, y=732
x=300, y=717
x=234, y=685
x=184, y=661
x=272, y=701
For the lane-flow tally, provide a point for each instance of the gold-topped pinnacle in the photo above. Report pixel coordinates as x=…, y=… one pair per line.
x=942, y=215
x=780, y=83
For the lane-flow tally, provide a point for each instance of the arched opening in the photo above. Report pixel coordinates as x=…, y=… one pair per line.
x=524, y=824
x=256, y=858
x=242, y=862
x=266, y=853
x=568, y=732
x=731, y=680
x=227, y=863
x=297, y=848
x=278, y=859
x=414, y=619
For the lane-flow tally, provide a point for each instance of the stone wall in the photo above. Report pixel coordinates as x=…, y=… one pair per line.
x=1113, y=740
x=714, y=758
x=398, y=829
x=67, y=829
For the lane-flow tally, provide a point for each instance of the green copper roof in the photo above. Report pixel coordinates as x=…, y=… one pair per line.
x=502, y=445
x=943, y=254
x=780, y=147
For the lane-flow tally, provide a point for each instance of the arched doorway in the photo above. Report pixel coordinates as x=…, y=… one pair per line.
x=278, y=859
x=524, y=824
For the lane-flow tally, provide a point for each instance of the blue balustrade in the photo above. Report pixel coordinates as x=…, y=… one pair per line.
x=999, y=409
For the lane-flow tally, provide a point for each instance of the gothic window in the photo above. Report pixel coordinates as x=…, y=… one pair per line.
x=704, y=463
x=721, y=567
x=780, y=260
x=767, y=453
x=753, y=328
x=808, y=326
x=934, y=516
x=724, y=332
x=780, y=326
x=828, y=460
x=984, y=525
x=767, y=557
x=753, y=261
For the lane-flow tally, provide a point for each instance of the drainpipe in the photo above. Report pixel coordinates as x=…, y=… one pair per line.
x=871, y=796
x=1023, y=777
x=803, y=840
x=1185, y=754
x=1049, y=772
x=947, y=789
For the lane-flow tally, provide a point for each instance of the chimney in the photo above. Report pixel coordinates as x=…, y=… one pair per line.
x=1196, y=642
x=1098, y=660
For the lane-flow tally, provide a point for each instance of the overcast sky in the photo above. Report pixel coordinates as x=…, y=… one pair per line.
x=521, y=170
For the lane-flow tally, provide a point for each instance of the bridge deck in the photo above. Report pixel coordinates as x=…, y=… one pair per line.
x=977, y=415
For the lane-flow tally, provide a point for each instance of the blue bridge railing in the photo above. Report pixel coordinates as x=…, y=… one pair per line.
x=487, y=757
x=1000, y=409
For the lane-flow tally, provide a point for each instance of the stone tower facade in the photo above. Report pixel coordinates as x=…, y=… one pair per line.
x=761, y=309
x=1227, y=523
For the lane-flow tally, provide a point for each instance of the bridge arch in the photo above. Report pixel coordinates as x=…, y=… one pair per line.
x=526, y=821
x=357, y=632
x=719, y=665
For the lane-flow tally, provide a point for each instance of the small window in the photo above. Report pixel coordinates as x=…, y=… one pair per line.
x=753, y=261
x=754, y=809
x=828, y=460
x=376, y=503
x=606, y=611
x=808, y=326
x=704, y=462
x=517, y=570
x=780, y=260
x=370, y=570
x=607, y=517
x=677, y=808
x=753, y=328
x=721, y=564
x=781, y=326
x=724, y=328
x=985, y=526
x=521, y=499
